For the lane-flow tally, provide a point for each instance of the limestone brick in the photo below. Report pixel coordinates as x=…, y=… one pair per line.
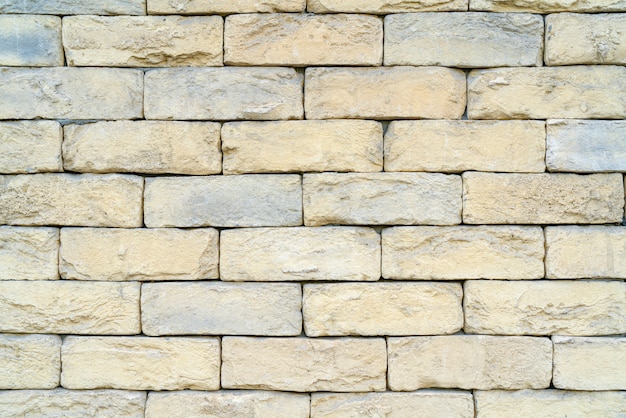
x=30, y=41
x=190, y=7
x=549, y=6
x=29, y=253
x=71, y=7
x=29, y=362
x=30, y=147
x=384, y=6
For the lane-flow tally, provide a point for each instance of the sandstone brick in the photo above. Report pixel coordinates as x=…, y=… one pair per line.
x=586, y=92
x=381, y=199
x=138, y=254
x=469, y=362
x=303, y=39
x=304, y=364
x=61, y=307
x=30, y=41
x=548, y=6
x=30, y=147
x=70, y=7
x=223, y=6
x=29, y=361
x=140, y=363
x=542, y=198
x=67, y=199
x=382, y=309
x=143, y=41
x=223, y=93
x=307, y=145
x=463, y=252
x=384, y=6
x=285, y=254
x=221, y=309
x=29, y=253
x=153, y=147
x=545, y=307
x=384, y=93
x=227, y=404
x=71, y=93
x=227, y=201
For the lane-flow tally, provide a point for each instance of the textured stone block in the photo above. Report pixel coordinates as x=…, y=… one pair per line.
x=191, y=7
x=138, y=254
x=30, y=41
x=71, y=7
x=227, y=201
x=384, y=93
x=304, y=364
x=67, y=199
x=384, y=6
x=223, y=93
x=542, y=198
x=549, y=6
x=586, y=92
x=285, y=254
x=140, y=363
x=30, y=147
x=29, y=362
x=307, y=145
x=545, y=307
x=60, y=307
x=469, y=362
x=381, y=199
x=29, y=253
x=221, y=309
x=463, y=252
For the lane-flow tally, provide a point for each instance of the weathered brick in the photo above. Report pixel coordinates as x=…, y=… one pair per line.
x=67, y=199
x=384, y=93
x=70, y=7
x=586, y=92
x=61, y=307
x=285, y=254
x=223, y=93
x=227, y=201
x=463, y=145
x=307, y=145
x=30, y=41
x=153, y=147
x=382, y=309
x=29, y=362
x=590, y=363
x=71, y=93
x=143, y=41
x=303, y=39
x=548, y=6
x=384, y=6
x=30, y=147
x=304, y=364
x=462, y=252
x=29, y=253
x=542, y=198
x=221, y=309
x=191, y=7
x=469, y=362
x=382, y=199
x=138, y=254
x=545, y=307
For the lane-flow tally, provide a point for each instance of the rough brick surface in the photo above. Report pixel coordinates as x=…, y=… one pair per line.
x=30, y=361
x=223, y=6
x=549, y=6
x=30, y=147
x=384, y=6
x=29, y=253
x=70, y=7
x=30, y=41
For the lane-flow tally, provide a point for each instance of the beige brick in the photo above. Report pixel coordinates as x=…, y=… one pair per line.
x=548, y=6
x=71, y=93
x=542, y=198
x=153, y=147
x=223, y=93
x=462, y=252
x=307, y=145
x=384, y=6
x=304, y=364
x=191, y=7
x=67, y=199
x=227, y=404
x=586, y=146
x=303, y=39
x=463, y=145
x=29, y=253
x=29, y=362
x=72, y=403
x=545, y=307
x=138, y=254
x=469, y=362
x=590, y=363
x=384, y=93
x=143, y=41
x=61, y=307
x=30, y=147
x=382, y=309
x=70, y=7
x=586, y=92
x=227, y=201
x=382, y=199
x=140, y=363
x=30, y=41
x=286, y=254
x=221, y=309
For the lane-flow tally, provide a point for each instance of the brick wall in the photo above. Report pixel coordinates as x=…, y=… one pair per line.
x=344, y=208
